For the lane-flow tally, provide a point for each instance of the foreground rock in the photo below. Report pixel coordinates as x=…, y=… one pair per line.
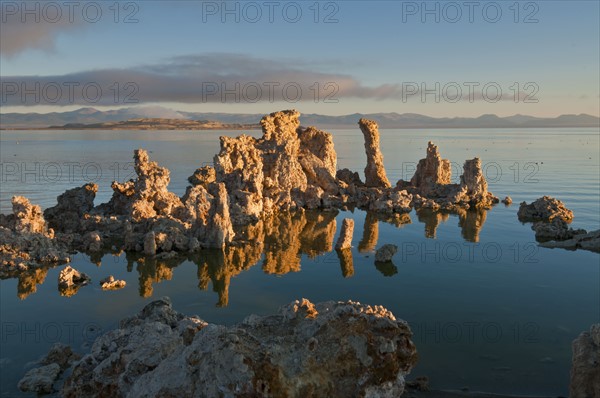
x=328, y=349
x=41, y=380
x=585, y=370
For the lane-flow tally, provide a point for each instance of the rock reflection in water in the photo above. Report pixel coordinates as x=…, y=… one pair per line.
x=28, y=281
x=282, y=238
x=431, y=219
x=387, y=268
x=470, y=221
x=277, y=243
x=346, y=262
x=370, y=234
x=219, y=267
x=154, y=270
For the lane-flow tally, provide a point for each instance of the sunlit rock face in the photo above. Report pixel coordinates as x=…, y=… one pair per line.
x=239, y=165
x=26, y=242
x=375, y=175
x=147, y=196
x=252, y=183
x=288, y=167
x=432, y=170
x=292, y=353
x=431, y=187
x=67, y=215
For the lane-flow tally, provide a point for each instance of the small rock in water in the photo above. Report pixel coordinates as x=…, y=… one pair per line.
x=507, y=200
x=70, y=280
x=385, y=253
x=110, y=283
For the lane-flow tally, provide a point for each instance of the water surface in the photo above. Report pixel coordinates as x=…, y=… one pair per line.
x=490, y=310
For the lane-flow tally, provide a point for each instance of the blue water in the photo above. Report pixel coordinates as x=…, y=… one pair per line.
x=489, y=309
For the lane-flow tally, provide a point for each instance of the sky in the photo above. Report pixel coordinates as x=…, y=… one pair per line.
x=437, y=58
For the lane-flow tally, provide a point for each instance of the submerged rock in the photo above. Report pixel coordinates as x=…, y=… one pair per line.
x=328, y=349
x=557, y=229
x=585, y=241
x=385, y=253
x=585, y=370
x=546, y=209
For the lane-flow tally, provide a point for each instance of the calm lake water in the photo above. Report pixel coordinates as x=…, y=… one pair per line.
x=490, y=310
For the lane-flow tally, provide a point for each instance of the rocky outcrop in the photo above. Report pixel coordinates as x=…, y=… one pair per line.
x=551, y=220
x=430, y=186
x=70, y=280
x=26, y=242
x=288, y=168
x=328, y=349
x=239, y=165
x=432, y=171
x=385, y=253
x=545, y=209
x=375, y=175
x=203, y=176
x=345, y=239
x=147, y=196
x=68, y=214
x=280, y=148
x=318, y=159
x=585, y=370
x=208, y=212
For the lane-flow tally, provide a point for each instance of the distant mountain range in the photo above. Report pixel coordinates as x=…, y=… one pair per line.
x=386, y=120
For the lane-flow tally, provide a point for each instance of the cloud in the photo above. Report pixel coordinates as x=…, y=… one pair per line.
x=36, y=24
x=204, y=78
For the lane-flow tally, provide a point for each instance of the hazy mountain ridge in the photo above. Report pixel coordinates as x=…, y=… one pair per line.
x=87, y=116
